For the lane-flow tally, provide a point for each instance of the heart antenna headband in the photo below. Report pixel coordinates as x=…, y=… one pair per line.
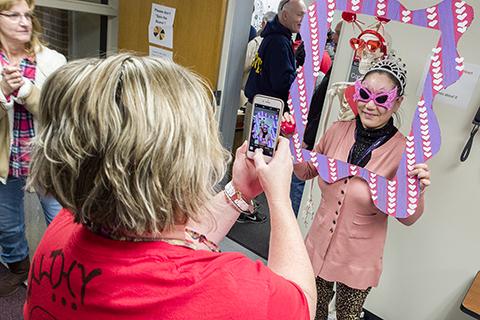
x=382, y=45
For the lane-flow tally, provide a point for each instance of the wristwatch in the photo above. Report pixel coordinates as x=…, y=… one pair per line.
x=236, y=198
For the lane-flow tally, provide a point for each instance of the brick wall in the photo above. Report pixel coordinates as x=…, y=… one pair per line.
x=55, y=24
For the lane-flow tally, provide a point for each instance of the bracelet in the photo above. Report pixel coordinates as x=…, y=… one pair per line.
x=237, y=200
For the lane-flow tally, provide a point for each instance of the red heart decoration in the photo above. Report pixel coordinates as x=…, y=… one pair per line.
x=287, y=128
x=349, y=16
x=349, y=92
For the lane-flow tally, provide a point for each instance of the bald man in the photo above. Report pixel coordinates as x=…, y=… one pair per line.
x=274, y=67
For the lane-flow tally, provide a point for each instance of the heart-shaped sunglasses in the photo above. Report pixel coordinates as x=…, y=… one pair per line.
x=382, y=99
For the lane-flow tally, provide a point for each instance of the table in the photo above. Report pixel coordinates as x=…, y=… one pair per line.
x=471, y=302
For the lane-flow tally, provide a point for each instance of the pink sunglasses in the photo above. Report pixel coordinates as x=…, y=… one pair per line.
x=381, y=99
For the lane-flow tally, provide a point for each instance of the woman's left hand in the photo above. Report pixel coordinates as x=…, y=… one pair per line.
x=421, y=171
x=244, y=175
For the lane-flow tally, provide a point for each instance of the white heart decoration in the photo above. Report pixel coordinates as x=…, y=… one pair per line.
x=436, y=70
x=437, y=50
x=406, y=19
x=438, y=75
x=462, y=17
x=331, y=6
x=432, y=23
x=461, y=10
x=431, y=9
x=391, y=194
x=432, y=16
x=462, y=24
x=381, y=12
x=372, y=185
x=426, y=137
x=412, y=200
x=438, y=81
x=355, y=8
x=331, y=13
x=435, y=57
x=460, y=4
x=406, y=13
x=355, y=2
x=412, y=186
x=391, y=211
x=462, y=30
x=428, y=154
x=423, y=121
x=436, y=63
x=438, y=88
x=311, y=14
x=374, y=198
x=459, y=60
x=460, y=68
x=381, y=6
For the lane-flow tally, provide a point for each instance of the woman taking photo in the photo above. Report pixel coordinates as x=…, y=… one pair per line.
x=130, y=147
x=346, y=240
x=25, y=64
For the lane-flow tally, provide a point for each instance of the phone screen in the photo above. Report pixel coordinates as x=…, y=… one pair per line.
x=264, y=129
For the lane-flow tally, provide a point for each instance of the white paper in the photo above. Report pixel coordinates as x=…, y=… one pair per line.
x=461, y=92
x=160, y=53
x=160, y=29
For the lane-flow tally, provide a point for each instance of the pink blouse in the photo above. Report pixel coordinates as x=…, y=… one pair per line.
x=346, y=240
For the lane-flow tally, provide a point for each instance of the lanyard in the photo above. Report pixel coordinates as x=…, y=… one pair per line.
x=373, y=146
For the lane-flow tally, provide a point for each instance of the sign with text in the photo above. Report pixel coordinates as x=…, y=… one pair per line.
x=160, y=29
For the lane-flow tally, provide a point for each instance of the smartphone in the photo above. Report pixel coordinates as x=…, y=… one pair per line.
x=264, y=126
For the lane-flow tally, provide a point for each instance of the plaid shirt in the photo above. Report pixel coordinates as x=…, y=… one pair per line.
x=23, y=128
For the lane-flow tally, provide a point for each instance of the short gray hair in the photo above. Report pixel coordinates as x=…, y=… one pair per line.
x=281, y=5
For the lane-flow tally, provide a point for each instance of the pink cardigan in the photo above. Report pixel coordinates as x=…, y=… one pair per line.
x=347, y=236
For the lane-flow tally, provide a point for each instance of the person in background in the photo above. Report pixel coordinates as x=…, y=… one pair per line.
x=274, y=67
x=252, y=49
x=137, y=236
x=347, y=236
x=25, y=63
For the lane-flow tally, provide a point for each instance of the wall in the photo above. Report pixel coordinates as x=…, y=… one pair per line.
x=429, y=266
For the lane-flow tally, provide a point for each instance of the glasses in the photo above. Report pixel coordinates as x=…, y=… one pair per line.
x=16, y=16
x=282, y=5
x=360, y=44
x=381, y=99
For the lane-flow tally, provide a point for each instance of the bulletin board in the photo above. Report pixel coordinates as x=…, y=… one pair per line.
x=198, y=32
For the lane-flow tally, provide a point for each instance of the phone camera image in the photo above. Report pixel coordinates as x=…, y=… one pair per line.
x=264, y=129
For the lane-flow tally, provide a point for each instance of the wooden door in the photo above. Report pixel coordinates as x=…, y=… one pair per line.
x=197, y=35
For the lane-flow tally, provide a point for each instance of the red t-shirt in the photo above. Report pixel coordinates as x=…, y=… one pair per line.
x=76, y=274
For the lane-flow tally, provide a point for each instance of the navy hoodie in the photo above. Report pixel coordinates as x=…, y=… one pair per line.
x=273, y=69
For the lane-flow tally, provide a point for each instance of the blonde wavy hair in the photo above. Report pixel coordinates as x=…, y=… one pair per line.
x=128, y=143
x=35, y=44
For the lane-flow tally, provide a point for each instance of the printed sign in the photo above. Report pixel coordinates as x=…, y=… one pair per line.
x=160, y=29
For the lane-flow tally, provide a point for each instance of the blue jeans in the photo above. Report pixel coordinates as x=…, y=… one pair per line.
x=296, y=192
x=12, y=218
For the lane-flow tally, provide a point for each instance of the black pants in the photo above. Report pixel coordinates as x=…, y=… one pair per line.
x=348, y=302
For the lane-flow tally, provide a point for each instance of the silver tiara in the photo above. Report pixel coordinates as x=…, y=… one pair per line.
x=395, y=66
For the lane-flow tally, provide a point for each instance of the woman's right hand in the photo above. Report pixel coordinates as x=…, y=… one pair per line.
x=275, y=177
x=11, y=79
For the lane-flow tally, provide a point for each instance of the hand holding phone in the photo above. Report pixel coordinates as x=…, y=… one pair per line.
x=264, y=126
